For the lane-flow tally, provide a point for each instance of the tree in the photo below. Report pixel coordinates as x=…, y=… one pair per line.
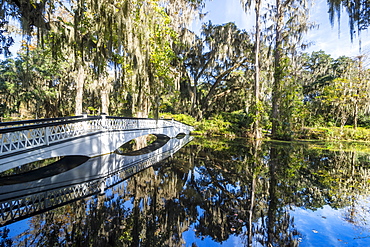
x=358, y=13
x=5, y=41
x=217, y=66
x=132, y=40
x=335, y=90
x=257, y=132
x=290, y=23
x=346, y=97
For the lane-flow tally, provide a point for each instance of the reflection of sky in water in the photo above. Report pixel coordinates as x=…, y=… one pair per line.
x=323, y=227
x=17, y=229
x=328, y=226
x=190, y=238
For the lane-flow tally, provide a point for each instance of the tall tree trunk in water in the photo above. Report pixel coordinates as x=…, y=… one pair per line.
x=250, y=211
x=255, y=173
x=278, y=75
x=80, y=80
x=273, y=200
x=256, y=127
x=104, y=95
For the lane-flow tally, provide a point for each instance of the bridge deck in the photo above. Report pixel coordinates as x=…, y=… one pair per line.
x=26, y=141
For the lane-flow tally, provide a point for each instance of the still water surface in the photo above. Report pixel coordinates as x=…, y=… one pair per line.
x=215, y=192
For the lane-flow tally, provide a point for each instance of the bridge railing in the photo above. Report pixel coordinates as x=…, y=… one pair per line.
x=36, y=121
x=25, y=135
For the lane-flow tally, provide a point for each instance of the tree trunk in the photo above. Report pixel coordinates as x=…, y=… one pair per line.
x=80, y=80
x=250, y=211
x=256, y=126
x=205, y=102
x=104, y=96
x=256, y=150
x=144, y=108
x=276, y=91
x=273, y=199
x=355, y=116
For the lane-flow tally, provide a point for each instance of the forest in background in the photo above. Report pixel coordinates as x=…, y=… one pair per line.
x=140, y=58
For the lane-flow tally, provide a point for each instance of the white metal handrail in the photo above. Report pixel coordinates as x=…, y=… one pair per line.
x=44, y=132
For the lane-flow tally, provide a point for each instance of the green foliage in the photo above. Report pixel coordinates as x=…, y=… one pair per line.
x=216, y=71
x=334, y=133
x=224, y=124
x=32, y=84
x=336, y=91
x=216, y=126
x=364, y=121
x=92, y=110
x=186, y=119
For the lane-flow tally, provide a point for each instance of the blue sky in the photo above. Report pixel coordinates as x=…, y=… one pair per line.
x=326, y=38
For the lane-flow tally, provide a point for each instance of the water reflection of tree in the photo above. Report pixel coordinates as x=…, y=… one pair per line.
x=346, y=178
x=280, y=229
x=218, y=190
x=242, y=196
x=288, y=175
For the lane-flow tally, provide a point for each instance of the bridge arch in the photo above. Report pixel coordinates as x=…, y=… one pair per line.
x=26, y=141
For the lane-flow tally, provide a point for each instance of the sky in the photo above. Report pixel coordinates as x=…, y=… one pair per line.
x=331, y=40
x=326, y=38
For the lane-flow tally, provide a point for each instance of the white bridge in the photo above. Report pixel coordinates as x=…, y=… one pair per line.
x=23, y=142
x=88, y=160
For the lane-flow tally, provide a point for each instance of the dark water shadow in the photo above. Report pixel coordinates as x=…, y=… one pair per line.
x=180, y=136
x=64, y=164
x=158, y=143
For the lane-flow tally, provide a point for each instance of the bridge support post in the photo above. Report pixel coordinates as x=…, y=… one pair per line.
x=102, y=187
x=103, y=120
x=47, y=134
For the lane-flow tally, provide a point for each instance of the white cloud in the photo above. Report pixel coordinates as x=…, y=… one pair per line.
x=325, y=38
x=333, y=40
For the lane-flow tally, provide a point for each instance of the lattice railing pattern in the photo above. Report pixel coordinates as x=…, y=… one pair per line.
x=44, y=133
x=41, y=136
x=16, y=209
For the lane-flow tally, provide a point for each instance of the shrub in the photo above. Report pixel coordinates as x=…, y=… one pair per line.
x=225, y=124
x=364, y=121
x=335, y=133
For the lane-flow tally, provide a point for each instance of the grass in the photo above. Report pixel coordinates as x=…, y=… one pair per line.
x=335, y=133
x=233, y=125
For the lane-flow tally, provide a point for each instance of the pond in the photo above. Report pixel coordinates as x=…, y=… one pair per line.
x=214, y=192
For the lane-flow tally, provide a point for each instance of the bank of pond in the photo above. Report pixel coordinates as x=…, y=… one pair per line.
x=235, y=125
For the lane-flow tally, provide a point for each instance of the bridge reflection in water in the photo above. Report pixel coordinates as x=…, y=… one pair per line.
x=20, y=200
